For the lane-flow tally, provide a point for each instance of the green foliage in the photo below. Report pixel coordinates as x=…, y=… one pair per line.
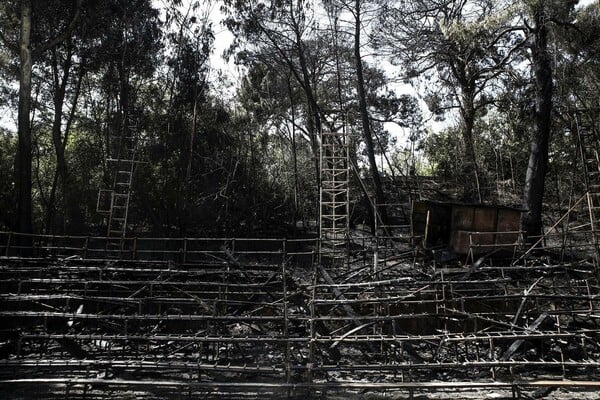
x=249, y=166
x=8, y=145
x=443, y=151
x=502, y=152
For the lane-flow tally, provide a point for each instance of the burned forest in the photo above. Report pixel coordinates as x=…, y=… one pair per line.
x=300, y=199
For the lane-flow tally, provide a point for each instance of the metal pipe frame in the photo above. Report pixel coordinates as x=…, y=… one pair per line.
x=246, y=326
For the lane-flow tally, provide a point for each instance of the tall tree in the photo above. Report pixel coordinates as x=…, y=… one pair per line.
x=538, y=153
x=541, y=14
x=283, y=28
x=24, y=206
x=191, y=39
x=461, y=46
x=62, y=77
x=364, y=111
x=27, y=56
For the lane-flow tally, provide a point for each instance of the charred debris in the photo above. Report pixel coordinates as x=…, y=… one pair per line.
x=457, y=300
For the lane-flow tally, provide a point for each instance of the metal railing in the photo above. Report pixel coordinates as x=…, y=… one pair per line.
x=180, y=250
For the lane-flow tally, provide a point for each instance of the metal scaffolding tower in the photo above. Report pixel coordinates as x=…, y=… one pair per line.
x=334, y=197
x=589, y=145
x=114, y=203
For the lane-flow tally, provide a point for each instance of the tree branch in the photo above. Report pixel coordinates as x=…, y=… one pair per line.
x=63, y=35
x=564, y=23
x=504, y=32
x=11, y=46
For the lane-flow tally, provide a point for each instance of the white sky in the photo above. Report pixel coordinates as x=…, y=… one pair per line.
x=223, y=39
x=583, y=3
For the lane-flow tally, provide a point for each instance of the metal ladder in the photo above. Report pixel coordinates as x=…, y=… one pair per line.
x=334, y=198
x=590, y=155
x=123, y=156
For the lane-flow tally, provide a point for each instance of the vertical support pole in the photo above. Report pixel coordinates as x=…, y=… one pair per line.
x=321, y=178
x=134, y=250
x=185, y=241
x=593, y=223
x=85, y=248
x=346, y=142
x=426, y=229
x=470, y=252
x=287, y=360
x=376, y=250
x=311, y=345
x=8, y=244
x=35, y=250
x=284, y=250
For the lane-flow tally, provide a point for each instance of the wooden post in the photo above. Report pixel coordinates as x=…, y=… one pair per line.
x=426, y=229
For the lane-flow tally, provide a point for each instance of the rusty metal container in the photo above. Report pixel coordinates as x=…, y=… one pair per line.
x=463, y=227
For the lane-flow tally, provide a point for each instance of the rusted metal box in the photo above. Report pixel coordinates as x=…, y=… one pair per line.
x=483, y=228
x=431, y=222
x=463, y=227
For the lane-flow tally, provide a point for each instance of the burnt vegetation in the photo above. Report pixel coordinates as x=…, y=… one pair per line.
x=386, y=199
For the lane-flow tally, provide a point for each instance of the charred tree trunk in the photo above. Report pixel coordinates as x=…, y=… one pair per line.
x=531, y=221
x=471, y=187
x=24, y=153
x=314, y=124
x=24, y=157
x=294, y=152
x=364, y=115
x=60, y=173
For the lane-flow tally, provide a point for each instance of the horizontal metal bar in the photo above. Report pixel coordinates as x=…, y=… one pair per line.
x=144, y=317
x=428, y=386
x=168, y=338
